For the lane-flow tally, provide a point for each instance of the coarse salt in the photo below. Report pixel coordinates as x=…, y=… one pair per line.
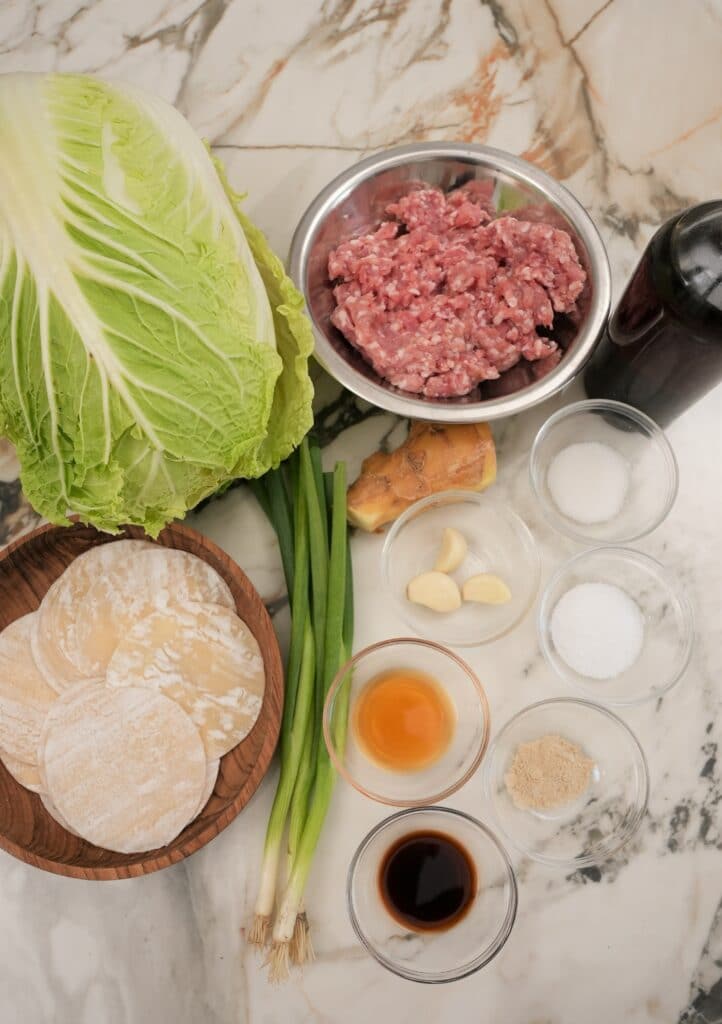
x=598, y=630
x=588, y=482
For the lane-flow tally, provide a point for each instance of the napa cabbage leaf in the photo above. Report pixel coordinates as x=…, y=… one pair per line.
x=152, y=348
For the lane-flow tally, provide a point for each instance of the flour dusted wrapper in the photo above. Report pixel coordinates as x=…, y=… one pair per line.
x=54, y=637
x=157, y=577
x=32, y=775
x=103, y=593
x=55, y=813
x=125, y=767
x=203, y=657
x=25, y=696
x=27, y=775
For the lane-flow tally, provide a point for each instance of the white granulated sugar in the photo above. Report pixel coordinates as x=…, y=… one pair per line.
x=589, y=482
x=125, y=767
x=598, y=630
x=54, y=638
x=24, y=694
x=205, y=658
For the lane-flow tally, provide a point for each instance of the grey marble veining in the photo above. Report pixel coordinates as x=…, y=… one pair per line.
x=619, y=99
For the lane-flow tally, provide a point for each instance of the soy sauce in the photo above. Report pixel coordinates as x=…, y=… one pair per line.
x=662, y=349
x=427, y=881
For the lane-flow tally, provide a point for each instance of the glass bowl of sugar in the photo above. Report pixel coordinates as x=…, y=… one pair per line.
x=603, y=472
x=614, y=624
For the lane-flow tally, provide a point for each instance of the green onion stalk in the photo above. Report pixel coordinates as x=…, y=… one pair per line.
x=313, y=491
x=292, y=532
x=328, y=594
x=307, y=509
x=301, y=945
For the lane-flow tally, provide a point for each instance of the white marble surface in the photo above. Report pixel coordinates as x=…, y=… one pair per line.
x=620, y=100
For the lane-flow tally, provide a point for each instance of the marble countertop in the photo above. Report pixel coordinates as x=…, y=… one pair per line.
x=618, y=99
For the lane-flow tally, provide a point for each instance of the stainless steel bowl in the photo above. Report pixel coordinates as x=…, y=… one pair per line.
x=354, y=202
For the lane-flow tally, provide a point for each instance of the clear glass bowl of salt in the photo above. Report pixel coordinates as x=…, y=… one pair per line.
x=603, y=472
x=615, y=625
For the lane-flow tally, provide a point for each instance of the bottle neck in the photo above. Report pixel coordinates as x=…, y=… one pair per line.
x=685, y=265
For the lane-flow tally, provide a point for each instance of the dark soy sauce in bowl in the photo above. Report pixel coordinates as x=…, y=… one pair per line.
x=427, y=881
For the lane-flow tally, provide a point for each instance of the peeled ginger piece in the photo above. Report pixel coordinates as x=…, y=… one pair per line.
x=433, y=458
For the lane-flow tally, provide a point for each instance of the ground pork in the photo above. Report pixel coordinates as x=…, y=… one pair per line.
x=444, y=295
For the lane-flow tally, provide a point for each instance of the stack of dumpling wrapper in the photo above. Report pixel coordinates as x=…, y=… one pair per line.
x=121, y=693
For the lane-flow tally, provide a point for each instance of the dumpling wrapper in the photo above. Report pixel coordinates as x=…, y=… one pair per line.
x=25, y=696
x=125, y=767
x=206, y=659
x=28, y=775
x=55, y=813
x=53, y=637
x=104, y=592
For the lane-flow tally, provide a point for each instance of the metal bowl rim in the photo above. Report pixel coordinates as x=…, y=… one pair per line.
x=407, y=405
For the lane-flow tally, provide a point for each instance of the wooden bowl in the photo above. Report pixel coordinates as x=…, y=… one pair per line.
x=27, y=568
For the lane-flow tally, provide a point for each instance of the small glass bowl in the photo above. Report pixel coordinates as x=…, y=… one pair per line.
x=458, y=762
x=498, y=541
x=652, y=477
x=434, y=956
x=667, y=615
x=599, y=823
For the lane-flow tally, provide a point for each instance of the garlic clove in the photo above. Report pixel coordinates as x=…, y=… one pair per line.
x=452, y=551
x=434, y=590
x=486, y=589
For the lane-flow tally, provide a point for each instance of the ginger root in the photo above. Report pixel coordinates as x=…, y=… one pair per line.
x=433, y=458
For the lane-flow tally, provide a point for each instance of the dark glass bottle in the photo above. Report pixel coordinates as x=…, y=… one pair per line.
x=662, y=349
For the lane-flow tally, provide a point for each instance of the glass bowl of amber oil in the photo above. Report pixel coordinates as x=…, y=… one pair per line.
x=431, y=894
x=406, y=722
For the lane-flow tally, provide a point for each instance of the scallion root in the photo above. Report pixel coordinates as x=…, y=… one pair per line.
x=278, y=962
x=301, y=944
x=258, y=933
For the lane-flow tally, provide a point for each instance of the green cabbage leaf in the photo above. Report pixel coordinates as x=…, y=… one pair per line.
x=152, y=348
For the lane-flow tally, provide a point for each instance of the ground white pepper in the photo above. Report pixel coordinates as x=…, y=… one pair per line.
x=547, y=773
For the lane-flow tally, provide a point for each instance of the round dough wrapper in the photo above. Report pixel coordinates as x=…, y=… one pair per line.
x=131, y=590
x=212, y=769
x=27, y=775
x=125, y=767
x=54, y=635
x=25, y=696
x=206, y=659
x=55, y=813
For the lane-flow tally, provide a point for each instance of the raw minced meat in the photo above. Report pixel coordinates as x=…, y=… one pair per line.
x=444, y=295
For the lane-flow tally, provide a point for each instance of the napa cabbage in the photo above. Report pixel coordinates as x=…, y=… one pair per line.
x=152, y=348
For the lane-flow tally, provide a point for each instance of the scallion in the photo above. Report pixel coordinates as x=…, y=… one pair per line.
x=324, y=776
x=307, y=509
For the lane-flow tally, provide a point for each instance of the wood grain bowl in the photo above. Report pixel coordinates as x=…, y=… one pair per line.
x=27, y=831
